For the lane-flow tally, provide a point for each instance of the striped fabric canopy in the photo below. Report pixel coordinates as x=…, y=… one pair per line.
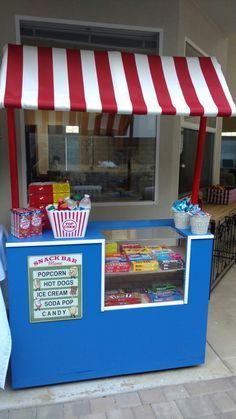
x=114, y=82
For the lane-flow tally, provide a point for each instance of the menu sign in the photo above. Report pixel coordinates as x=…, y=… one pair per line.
x=55, y=287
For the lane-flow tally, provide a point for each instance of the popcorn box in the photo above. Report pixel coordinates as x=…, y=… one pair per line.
x=36, y=221
x=67, y=224
x=21, y=222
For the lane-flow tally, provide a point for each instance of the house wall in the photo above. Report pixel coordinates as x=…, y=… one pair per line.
x=231, y=65
x=178, y=19
x=211, y=40
x=229, y=124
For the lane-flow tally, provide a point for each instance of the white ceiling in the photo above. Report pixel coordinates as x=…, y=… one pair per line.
x=221, y=12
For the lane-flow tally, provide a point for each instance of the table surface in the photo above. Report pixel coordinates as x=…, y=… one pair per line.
x=219, y=212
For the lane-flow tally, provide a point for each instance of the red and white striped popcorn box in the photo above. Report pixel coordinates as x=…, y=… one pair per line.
x=68, y=224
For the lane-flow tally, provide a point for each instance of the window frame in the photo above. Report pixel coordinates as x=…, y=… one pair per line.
x=51, y=129
x=159, y=31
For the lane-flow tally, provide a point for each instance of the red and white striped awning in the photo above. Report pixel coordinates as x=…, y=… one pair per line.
x=114, y=82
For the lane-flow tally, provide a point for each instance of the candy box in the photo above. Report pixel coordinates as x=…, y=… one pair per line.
x=111, y=248
x=113, y=267
x=36, y=221
x=163, y=257
x=145, y=266
x=162, y=254
x=115, y=257
x=171, y=264
x=168, y=295
x=139, y=256
x=163, y=287
x=125, y=246
x=122, y=298
x=161, y=251
x=157, y=247
x=176, y=256
x=141, y=250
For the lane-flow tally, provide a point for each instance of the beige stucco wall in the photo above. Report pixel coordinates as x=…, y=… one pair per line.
x=231, y=65
x=211, y=40
x=177, y=18
x=230, y=123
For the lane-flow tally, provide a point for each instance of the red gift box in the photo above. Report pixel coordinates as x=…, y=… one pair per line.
x=40, y=188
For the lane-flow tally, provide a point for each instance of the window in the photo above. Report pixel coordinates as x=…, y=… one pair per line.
x=67, y=35
x=228, y=159
x=111, y=156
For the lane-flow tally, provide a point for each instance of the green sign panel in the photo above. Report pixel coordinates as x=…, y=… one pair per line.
x=55, y=287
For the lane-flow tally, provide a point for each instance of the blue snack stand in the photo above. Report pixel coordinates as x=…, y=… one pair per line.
x=104, y=343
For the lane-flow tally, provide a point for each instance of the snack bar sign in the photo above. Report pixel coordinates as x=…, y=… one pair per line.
x=55, y=287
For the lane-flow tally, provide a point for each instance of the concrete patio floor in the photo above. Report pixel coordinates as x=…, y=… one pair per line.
x=220, y=366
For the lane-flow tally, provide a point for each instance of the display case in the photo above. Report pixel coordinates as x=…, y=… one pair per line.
x=158, y=322
x=145, y=267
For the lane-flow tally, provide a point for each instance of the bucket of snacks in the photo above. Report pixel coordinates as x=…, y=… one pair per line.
x=180, y=214
x=187, y=214
x=200, y=223
x=68, y=219
x=181, y=219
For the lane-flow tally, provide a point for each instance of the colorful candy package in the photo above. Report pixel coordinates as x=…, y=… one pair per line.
x=139, y=256
x=113, y=267
x=111, y=248
x=171, y=264
x=125, y=246
x=145, y=266
x=168, y=295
